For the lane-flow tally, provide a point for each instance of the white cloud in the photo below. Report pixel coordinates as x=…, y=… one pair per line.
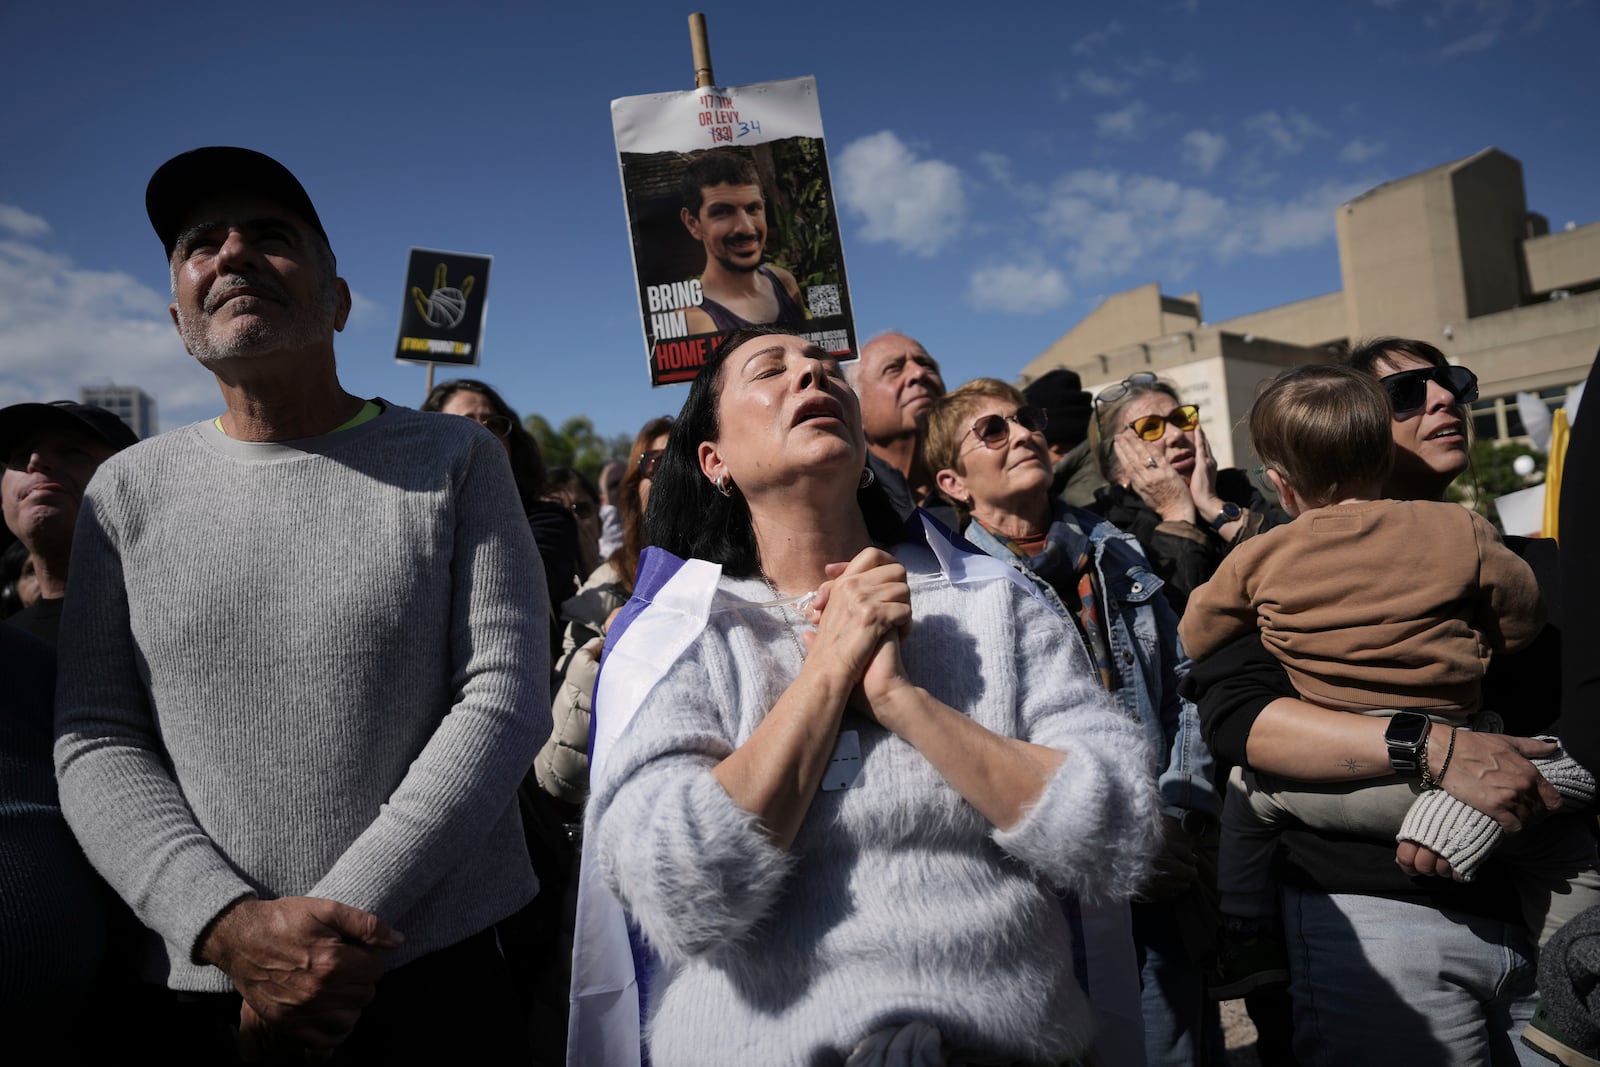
x=20, y=223
x=998, y=166
x=1111, y=223
x=916, y=204
x=63, y=326
x=1361, y=150
x=1124, y=123
x=1185, y=71
x=1473, y=42
x=1101, y=84
x=1288, y=133
x=1017, y=288
x=364, y=310
x=1092, y=42
x=1000, y=171
x=1202, y=149
x=1268, y=227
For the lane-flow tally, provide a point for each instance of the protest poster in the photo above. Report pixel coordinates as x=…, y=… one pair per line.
x=732, y=219
x=442, y=311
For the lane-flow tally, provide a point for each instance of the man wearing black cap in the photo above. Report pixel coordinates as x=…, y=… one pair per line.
x=50, y=452
x=1061, y=393
x=318, y=671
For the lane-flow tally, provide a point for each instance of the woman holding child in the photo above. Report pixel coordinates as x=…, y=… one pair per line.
x=1387, y=966
x=836, y=813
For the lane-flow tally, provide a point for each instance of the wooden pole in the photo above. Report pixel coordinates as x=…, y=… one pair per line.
x=429, y=387
x=700, y=43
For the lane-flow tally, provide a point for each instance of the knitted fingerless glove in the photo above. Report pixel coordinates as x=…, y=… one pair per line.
x=1462, y=835
x=1567, y=776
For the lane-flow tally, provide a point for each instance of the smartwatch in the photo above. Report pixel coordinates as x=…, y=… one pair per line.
x=1230, y=512
x=1407, y=738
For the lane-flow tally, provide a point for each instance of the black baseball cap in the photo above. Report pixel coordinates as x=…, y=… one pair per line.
x=185, y=180
x=19, y=420
x=1061, y=393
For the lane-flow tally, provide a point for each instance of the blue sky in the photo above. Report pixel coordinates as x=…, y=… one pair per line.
x=1000, y=167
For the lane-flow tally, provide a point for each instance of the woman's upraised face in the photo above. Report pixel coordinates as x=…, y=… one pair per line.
x=1177, y=446
x=1430, y=444
x=1014, y=472
x=785, y=410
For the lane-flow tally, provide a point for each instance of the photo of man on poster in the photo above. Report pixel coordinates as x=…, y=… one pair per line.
x=725, y=209
x=731, y=219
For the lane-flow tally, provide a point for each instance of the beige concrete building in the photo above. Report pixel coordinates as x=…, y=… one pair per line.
x=1451, y=256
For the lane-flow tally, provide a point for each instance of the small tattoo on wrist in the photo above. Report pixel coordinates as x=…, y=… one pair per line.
x=1352, y=766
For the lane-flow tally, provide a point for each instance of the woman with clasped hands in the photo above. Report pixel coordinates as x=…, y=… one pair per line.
x=838, y=819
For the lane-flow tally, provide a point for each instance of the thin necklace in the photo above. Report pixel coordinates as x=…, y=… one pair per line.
x=783, y=603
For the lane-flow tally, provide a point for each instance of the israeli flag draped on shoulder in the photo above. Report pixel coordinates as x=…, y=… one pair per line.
x=672, y=601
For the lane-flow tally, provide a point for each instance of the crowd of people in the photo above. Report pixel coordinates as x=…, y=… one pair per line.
x=849, y=720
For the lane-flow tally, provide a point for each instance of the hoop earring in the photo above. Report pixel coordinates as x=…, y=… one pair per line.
x=867, y=478
x=723, y=483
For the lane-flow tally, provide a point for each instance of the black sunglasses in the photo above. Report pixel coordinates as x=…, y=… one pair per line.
x=991, y=430
x=498, y=425
x=1408, y=389
x=648, y=462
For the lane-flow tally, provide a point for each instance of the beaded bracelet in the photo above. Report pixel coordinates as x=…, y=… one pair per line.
x=1428, y=781
x=1448, y=752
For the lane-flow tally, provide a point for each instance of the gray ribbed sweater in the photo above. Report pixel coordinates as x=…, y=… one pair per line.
x=898, y=901
x=315, y=667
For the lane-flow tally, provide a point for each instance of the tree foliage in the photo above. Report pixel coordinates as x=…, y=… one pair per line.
x=1492, y=475
x=801, y=235
x=575, y=444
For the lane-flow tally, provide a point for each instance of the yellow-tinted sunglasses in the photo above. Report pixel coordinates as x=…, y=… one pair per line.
x=1154, y=427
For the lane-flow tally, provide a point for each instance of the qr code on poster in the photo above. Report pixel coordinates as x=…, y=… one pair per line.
x=822, y=300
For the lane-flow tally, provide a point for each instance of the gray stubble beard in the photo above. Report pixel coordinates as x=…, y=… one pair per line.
x=306, y=327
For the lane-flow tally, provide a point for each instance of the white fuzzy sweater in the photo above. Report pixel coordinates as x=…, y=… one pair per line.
x=898, y=901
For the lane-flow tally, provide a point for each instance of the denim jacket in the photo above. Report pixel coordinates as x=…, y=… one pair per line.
x=1142, y=632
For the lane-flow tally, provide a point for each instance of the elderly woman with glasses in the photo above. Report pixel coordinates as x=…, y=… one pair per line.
x=840, y=812
x=1164, y=486
x=1383, y=958
x=988, y=449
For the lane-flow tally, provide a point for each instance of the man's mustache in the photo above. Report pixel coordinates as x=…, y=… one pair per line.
x=226, y=285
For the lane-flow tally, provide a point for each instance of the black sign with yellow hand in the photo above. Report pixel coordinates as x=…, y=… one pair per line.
x=441, y=316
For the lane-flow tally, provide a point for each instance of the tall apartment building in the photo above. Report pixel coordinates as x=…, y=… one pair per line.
x=129, y=403
x=1451, y=256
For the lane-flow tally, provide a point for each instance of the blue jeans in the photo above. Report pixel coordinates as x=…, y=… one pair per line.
x=1378, y=981
x=1181, y=1024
